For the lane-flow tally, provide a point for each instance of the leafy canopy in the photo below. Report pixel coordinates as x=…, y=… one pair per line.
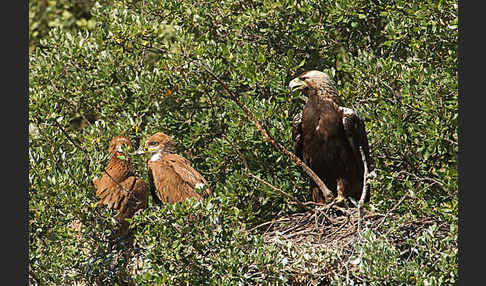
x=100, y=69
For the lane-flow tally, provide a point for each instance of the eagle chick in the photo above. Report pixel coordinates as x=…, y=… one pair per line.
x=171, y=177
x=119, y=188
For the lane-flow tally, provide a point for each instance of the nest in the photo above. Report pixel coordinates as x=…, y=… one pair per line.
x=317, y=247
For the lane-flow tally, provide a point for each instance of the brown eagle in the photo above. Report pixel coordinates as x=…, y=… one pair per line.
x=171, y=177
x=119, y=188
x=327, y=137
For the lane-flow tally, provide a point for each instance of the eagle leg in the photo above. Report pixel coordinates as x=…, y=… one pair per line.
x=317, y=195
x=341, y=197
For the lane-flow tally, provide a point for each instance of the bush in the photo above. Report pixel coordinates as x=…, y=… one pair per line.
x=136, y=67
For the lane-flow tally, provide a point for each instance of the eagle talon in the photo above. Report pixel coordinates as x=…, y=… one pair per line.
x=341, y=201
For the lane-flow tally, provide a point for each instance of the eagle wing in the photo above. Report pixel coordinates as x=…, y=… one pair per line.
x=127, y=196
x=118, y=188
x=174, y=180
x=297, y=134
x=354, y=128
x=115, y=172
x=153, y=190
x=131, y=196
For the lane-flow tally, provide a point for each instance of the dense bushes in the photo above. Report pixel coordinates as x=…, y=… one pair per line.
x=138, y=67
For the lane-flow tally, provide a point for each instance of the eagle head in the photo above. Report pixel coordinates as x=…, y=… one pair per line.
x=310, y=80
x=120, y=144
x=159, y=143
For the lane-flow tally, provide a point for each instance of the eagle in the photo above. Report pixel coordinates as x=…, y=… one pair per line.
x=119, y=188
x=171, y=177
x=327, y=137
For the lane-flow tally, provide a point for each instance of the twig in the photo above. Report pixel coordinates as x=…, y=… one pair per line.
x=325, y=190
x=76, y=145
x=315, y=204
x=300, y=232
x=434, y=181
x=271, y=222
x=339, y=228
x=290, y=229
x=393, y=209
x=247, y=172
x=364, y=191
x=451, y=141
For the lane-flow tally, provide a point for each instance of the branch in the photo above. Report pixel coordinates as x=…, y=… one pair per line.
x=451, y=141
x=325, y=190
x=247, y=172
x=87, y=156
x=393, y=209
x=75, y=145
x=364, y=191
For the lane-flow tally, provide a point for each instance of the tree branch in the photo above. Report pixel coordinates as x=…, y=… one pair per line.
x=325, y=190
x=364, y=191
x=87, y=156
x=406, y=196
x=75, y=145
x=247, y=172
x=321, y=185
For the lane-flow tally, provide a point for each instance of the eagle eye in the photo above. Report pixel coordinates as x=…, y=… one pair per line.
x=303, y=78
x=153, y=143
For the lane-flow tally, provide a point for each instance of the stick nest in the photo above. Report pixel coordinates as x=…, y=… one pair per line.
x=317, y=247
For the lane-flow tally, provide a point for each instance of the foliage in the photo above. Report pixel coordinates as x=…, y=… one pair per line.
x=419, y=261
x=100, y=69
x=68, y=15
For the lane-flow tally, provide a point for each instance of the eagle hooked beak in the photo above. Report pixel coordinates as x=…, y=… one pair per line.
x=152, y=148
x=297, y=84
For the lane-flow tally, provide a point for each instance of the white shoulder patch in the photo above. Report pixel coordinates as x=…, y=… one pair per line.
x=349, y=115
x=347, y=111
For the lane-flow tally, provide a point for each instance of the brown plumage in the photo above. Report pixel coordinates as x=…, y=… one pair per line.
x=327, y=137
x=171, y=177
x=119, y=188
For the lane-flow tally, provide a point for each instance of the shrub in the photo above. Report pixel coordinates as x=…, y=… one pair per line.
x=137, y=67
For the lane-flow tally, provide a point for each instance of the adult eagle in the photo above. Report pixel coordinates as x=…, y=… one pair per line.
x=171, y=177
x=327, y=137
x=119, y=188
